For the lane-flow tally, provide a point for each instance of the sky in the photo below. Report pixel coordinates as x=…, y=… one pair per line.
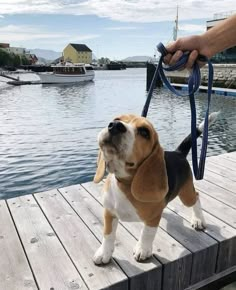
x=110, y=28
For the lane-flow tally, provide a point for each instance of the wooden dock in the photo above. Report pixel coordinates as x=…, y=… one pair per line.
x=47, y=240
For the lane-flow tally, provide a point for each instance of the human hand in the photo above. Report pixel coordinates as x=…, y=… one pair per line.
x=192, y=44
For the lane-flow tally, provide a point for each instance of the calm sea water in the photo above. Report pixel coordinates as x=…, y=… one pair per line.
x=48, y=133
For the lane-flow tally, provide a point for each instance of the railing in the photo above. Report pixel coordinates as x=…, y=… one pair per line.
x=223, y=14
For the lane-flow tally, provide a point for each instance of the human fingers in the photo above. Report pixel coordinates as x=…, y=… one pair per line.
x=167, y=58
x=175, y=57
x=191, y=59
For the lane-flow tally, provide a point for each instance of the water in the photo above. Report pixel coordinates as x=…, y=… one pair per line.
x=48, y=133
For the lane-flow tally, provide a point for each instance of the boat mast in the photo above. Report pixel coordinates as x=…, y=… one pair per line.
x=175, y=30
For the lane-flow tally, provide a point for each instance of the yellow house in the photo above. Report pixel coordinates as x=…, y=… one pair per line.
x=77, y=53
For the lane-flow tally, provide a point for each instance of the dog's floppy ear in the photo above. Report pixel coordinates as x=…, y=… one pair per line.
x=150, y=183
x=101, y=168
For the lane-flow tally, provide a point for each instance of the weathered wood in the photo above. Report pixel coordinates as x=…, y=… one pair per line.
x=51, y=265
x=229, y=156
x=223, y=161
x=221, y=170
x=15, y=272
x=221, y=181
x=221, y=232
x=211, y=279
x=142, y=275
x=174, y=257
x=203, y=247
x=219, y=209
x=47, y=241
x=216, y=192
x=79, y=242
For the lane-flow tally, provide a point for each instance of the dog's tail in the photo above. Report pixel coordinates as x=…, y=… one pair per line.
x=186, y=144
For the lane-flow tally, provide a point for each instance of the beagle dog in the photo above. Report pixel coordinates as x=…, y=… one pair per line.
x=142, y=179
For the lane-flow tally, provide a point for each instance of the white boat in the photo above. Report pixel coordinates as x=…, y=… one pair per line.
x=68, y=73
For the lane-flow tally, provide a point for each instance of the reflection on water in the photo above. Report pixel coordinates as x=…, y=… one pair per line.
x=48, y=133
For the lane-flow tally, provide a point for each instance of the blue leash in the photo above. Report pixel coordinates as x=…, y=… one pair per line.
x=193, y=86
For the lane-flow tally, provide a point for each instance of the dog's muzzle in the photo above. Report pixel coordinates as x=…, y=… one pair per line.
x=116, y=127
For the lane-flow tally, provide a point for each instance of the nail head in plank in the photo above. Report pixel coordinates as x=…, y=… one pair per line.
x=223, y=233
x=203, y=247
x=142, y=275
x=175, y=258
x=50, y=263
x=15, y=271
x=80, y=243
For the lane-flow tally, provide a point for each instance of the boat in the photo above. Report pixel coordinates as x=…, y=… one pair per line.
x=67, y=72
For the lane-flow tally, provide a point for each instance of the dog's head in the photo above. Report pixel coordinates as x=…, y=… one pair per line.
x=130, y=149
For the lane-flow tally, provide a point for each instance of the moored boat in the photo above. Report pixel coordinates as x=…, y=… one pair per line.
x=68, y=73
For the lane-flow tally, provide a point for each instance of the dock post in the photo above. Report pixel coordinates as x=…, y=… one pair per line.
x=151, y=67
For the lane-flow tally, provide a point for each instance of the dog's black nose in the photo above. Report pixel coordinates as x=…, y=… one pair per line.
x=116, y=127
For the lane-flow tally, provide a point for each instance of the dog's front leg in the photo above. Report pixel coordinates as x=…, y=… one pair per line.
x=104, y=252
x=143, y=248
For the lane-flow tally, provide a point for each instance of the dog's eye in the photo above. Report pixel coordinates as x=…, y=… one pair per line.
x=144, y=132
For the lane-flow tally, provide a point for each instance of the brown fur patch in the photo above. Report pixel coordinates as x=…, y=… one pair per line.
x=150, y=183
x=108, y=218
x=188, y=194
x=101, y=168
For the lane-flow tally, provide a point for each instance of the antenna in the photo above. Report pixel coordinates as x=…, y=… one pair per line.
x=176, y=27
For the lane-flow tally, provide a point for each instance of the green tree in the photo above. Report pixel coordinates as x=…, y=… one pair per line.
x=5, y=58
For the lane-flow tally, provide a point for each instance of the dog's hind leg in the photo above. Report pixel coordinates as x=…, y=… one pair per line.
x=190, y=198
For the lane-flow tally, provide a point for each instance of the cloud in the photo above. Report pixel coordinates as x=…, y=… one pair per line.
x=192, y=28
x=121, y=10
x=20, y=33
x=118, y=28
x=1, y=16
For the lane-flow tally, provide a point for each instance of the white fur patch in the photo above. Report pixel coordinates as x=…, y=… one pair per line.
x=118, y=204
x=143, y=248
x=198, y=221
x=105, y=251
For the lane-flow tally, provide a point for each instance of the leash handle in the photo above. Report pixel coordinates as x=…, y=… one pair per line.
x=193, y=85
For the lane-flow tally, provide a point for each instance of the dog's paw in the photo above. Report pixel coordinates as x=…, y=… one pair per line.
x=141, y=253
x=198, y=223
x=102, y=256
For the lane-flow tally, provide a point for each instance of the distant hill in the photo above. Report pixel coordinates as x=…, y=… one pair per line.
x=139, y=58
x=48, y=55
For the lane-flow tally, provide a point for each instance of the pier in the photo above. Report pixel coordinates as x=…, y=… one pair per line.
x=48, y=239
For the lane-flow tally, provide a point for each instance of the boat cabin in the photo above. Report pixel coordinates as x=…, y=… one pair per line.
x=70, y=68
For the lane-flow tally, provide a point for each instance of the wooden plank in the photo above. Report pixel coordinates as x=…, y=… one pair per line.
x=141, y=275
x=203, y=247
x=213, y=278
x=221, y=232
x=216, y=192
x=79, y=243
x=221, y=169
x=15, y=272
x=219, y=209
x=229, y=156
x=50, y=263
x=224, y=162
x=174, y=257
x=221, y=181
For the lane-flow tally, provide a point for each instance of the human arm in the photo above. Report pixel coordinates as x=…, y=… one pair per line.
x=214, y=40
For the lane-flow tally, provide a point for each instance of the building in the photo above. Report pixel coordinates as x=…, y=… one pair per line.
x=4, y=45
x=16, y=50
x=77, y=53
x=228, y=55
x=32, y=58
